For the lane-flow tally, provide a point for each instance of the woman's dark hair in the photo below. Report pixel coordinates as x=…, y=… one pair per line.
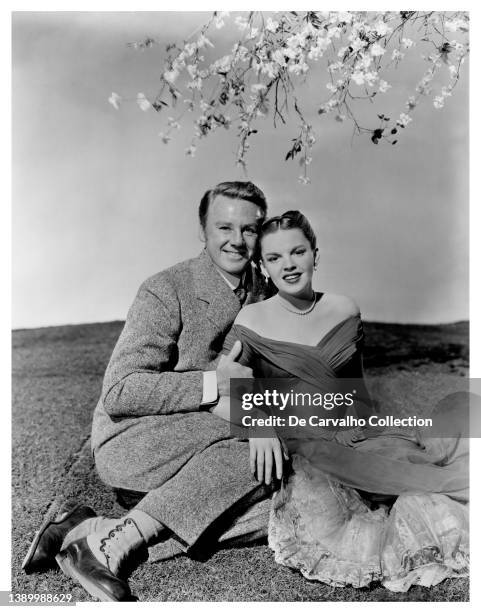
x=289, y=220
x=237, y=190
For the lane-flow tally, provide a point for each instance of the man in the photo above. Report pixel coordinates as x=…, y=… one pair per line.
x=154, y=439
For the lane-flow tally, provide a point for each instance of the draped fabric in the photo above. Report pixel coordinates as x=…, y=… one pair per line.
x=319, y=522
x=389, y=463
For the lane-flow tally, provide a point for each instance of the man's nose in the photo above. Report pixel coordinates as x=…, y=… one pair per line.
x=237, y=238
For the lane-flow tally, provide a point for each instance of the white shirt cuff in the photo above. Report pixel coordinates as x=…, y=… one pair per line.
x=209, y=390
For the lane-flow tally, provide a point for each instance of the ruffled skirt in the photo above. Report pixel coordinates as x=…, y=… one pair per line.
x=329, y=533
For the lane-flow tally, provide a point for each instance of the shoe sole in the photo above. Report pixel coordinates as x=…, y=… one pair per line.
x=68, y=568
x=36, y=539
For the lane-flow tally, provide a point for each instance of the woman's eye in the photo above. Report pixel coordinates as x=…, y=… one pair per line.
x=300, y=252
x=271, y=259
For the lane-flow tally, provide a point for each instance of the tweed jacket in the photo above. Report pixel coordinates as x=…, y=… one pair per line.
x=174, y=331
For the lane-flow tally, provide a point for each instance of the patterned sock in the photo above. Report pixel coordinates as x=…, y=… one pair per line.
x=149, y=527
x=85, y=528
x=113, y=545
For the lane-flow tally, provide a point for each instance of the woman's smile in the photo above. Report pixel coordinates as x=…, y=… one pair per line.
x=292, y=277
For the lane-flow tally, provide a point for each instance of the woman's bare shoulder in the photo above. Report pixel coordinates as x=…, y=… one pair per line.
x=252, y=314
x=343, y=304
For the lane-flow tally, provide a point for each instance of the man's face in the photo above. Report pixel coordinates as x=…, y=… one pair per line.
x=230, y=233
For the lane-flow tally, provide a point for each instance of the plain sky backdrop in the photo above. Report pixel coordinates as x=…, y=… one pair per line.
x=99, y=203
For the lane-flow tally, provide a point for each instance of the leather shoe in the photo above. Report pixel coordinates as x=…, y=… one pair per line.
x=48, y=539
x=78, y=562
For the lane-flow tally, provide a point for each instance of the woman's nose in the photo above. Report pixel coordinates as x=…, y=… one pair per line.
x=289, y=264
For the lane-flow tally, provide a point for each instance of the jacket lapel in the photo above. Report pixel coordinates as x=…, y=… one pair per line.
x=211, y=288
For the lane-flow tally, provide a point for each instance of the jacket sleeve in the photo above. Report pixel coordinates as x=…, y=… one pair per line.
x=140, y=380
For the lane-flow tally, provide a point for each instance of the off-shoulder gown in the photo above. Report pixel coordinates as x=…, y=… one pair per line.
x=321, y=525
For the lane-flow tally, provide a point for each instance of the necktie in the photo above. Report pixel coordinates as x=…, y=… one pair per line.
x=241, y=293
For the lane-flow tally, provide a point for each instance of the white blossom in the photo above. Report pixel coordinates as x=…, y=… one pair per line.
x=165, y=137
x=438, y=102
x=175, y=125
x=382, y=28
x=195, y=84
x=192, y=70
x=203, y=41
x=407, y=43
x=364, y=61
x=221, y=65
x=142, y=101
x=279, y=57
x=115, y=100
x=384, y=86
x=171, y=75
x=358, y=77
x=345, y=16
x=271, y=25
x=219, y=19
x=358, y=44
x=404, y=120
x=453, y=25
x=377, y=50
x=397, y=55
x=411, y=103
x=241, y=22
x=270, y=69
x=190, y=151
x=253, y=32
x=258, y=87
x=298, y=68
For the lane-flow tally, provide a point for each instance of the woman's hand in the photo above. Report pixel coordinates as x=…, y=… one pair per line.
x=266, y=455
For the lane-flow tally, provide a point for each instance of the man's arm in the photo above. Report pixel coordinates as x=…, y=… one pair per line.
x=140, y=379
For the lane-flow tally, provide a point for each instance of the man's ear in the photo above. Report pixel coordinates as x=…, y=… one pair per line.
x=201, y=234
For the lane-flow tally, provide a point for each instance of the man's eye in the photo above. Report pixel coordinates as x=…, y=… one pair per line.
x=250, y=230
x=224, y=227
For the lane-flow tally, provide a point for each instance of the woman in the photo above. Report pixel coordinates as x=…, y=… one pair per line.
x=319, y=522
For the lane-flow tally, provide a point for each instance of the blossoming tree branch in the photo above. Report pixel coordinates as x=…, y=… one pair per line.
x=353, y=55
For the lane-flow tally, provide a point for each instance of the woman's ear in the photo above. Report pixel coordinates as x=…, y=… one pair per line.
x=316, y=258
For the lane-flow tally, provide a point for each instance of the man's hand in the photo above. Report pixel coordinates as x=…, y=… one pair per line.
x=228, y=368
x=265, y=455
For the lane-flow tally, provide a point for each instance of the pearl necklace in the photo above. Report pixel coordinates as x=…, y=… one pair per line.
x=298, y=312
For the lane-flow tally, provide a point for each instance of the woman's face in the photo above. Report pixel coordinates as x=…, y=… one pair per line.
x=289, y=260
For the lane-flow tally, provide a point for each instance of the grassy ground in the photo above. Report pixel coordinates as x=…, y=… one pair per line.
x=57, y=374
